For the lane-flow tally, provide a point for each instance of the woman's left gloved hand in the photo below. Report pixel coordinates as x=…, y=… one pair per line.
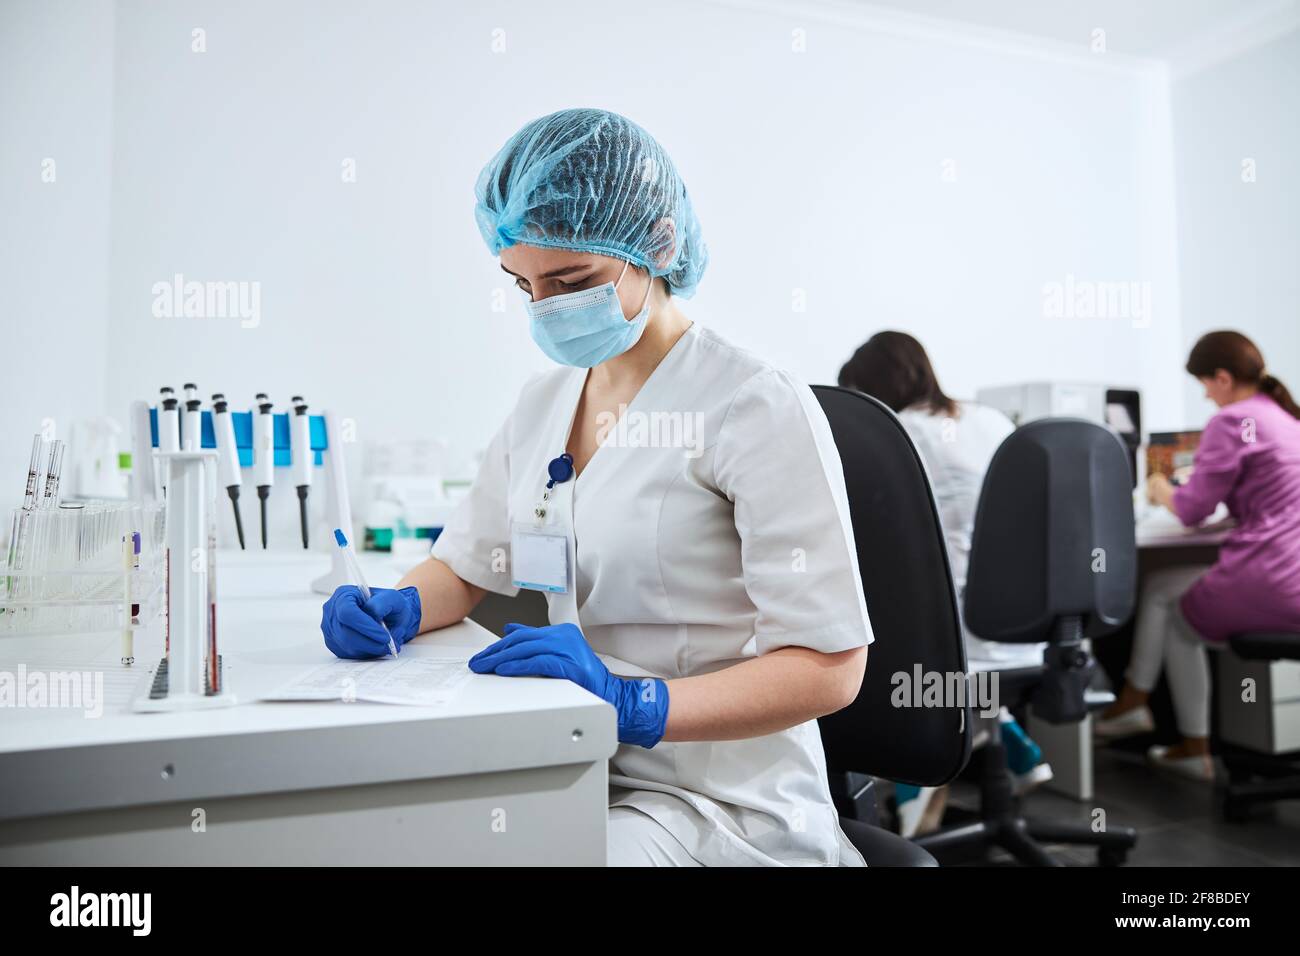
x=560, y=650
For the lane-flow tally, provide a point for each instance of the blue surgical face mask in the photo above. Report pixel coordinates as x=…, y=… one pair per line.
x=586, y=327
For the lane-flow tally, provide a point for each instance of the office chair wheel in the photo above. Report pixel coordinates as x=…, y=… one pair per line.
x=1112, y=855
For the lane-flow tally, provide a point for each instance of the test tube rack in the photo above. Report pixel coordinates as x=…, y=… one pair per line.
x=64, y=571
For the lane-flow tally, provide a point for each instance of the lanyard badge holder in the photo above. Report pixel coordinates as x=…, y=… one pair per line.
x=539, y=554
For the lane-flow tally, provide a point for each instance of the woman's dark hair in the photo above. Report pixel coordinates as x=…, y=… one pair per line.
x=1240, y=358
x=893, y=367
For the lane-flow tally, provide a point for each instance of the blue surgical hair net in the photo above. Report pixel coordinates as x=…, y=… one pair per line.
x=592, y=181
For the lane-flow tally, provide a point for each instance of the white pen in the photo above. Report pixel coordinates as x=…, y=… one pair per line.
x=354, y=572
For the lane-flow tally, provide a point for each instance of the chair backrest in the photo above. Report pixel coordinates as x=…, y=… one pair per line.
x=909, y=593
x=1054, y=534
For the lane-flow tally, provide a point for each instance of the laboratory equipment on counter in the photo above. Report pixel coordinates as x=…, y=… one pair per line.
x=130, y=563
x=354, y=572
x=18, y=533
x=227, y=458
x=190, y=676
x=144, y=468
x=169, y=428
x=263, y=455
x=33, y=472
x=192, y=430
x=404, y=494
x=1114, y=406
x=262, y=442
x=337, y=506
x=94, y=466
x=66, y=572
x=169, y=424
x=50, y=497
x=1172, y=454
x=301, y=457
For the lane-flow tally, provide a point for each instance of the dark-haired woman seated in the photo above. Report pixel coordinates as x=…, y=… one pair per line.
x=956, y=441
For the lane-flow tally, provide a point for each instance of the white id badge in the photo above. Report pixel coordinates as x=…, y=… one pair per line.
x=539, y=559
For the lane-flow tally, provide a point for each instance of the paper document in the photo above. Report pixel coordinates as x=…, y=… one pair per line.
x=411, y=680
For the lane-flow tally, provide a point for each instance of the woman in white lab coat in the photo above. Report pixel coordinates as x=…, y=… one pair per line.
x=956, y=441
x=680, y=500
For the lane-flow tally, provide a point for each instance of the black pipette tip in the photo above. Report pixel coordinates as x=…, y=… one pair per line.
x=263, y=492
x=233, y=491
x=302, y=512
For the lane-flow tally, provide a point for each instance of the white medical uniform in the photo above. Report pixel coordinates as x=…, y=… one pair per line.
x=688, y=560
x=957, y=450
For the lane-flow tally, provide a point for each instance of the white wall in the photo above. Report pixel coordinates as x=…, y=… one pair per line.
x=818, y=171
x=56, y=88
x=1240, y=241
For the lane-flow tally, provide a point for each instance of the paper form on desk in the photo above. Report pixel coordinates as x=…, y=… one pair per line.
x=410, y=680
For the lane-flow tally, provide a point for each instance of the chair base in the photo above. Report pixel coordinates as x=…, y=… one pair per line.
x=1255, y=779
x=1003, y=826
x=1023, y=839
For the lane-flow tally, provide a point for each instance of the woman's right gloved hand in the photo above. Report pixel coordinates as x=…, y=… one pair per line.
x=350, y=623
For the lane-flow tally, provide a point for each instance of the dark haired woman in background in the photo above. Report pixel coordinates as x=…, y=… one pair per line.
x=956, y=441
x=1249, y=459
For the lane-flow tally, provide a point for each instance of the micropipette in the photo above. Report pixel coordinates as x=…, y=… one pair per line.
x=192, y=427
x=263, y=454
x=300, y=450
x=227, y=457
x=354, y=572
x=169, y=426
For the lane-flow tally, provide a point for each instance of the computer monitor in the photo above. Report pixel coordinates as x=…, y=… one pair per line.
x=1170, y=454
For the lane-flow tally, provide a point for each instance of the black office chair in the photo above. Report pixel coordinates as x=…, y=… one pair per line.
x=908, y=586
x=1053, y=559
x=1255, y=778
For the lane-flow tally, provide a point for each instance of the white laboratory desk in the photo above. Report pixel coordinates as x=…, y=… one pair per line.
x=511, y=771
x=1158, y=528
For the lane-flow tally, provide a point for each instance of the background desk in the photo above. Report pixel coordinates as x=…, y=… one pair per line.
x=511, y=771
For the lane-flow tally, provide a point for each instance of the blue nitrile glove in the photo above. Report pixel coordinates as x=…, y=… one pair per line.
x=350, y=623
x=560, y=650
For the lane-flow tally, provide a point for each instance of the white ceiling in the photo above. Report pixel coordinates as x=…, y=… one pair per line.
x=1159, y=29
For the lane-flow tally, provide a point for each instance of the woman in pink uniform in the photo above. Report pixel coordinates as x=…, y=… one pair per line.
x=1249, y=459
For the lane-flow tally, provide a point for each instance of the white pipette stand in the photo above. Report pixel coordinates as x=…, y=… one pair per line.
x=338, y=511
x=194, y=678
